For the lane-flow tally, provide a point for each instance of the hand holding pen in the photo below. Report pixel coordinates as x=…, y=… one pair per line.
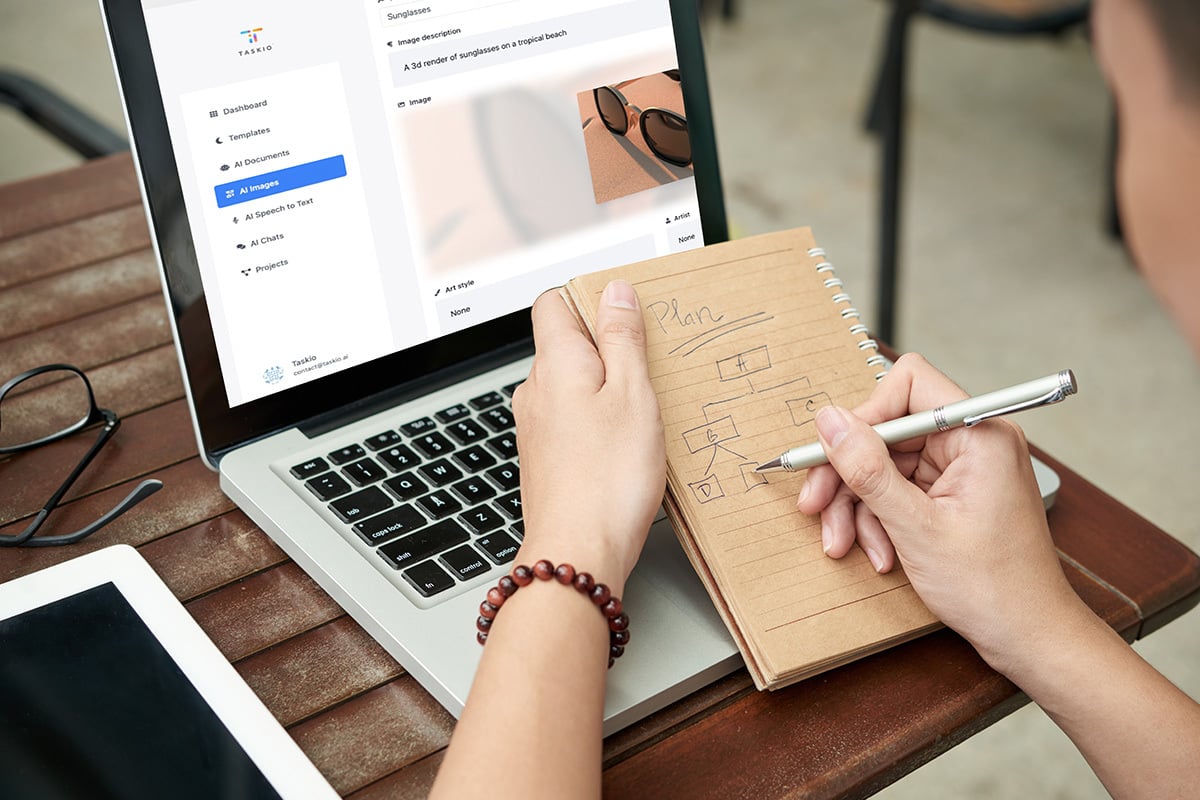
x=973, y=410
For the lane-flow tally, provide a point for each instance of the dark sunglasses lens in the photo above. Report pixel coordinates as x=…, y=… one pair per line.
x=667, y=136
x=612, y=110
x=41, y=406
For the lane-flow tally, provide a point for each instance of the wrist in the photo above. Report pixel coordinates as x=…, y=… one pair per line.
x=589, y=590
x=592, y=556
x=1025, y=650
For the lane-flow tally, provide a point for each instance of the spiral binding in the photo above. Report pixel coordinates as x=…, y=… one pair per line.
x=850, y=312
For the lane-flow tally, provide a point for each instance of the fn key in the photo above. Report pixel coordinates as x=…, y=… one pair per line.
x=428, y=578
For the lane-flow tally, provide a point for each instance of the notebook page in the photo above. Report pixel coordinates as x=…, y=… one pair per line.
x=745, y=344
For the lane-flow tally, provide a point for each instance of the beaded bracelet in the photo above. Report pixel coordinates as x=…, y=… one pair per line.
x=598, y=593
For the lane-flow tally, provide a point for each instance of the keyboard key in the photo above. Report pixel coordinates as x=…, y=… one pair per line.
x=328, y=486
x=448, y=415
x=399, y=458
x=465, y=562
x=354, y=507
x=499, y=547
x=347, y=454
x=506, y=476
x=481, y=519
x=382, y=440
x=433, y=444
x=405, y=486
x=510, y=504
x=440, y=472
x=314, y=466
x=512, y=387
x=474, y=490
x=475, y=458
x=390, y=524
x=428, y=578
x=466, y=431
x=423, y=544
x=505, y=444
x=498, y=419
x=486, y=400
x=439, y=504
x=518, y=529
x=419, y=426
x=364, y=472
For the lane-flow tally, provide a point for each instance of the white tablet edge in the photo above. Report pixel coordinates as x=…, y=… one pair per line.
x=265, y=741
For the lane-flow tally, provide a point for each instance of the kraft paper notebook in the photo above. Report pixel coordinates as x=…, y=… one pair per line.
x=746, y=341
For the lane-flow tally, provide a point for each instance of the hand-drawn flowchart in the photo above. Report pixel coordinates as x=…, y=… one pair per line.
x=734, y=377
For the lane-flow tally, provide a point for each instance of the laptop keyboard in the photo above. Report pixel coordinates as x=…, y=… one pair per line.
x=437, y=499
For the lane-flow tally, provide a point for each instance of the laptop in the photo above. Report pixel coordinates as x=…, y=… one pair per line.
x=354, y=205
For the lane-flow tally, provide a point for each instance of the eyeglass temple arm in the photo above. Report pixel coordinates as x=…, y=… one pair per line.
x=140, y=493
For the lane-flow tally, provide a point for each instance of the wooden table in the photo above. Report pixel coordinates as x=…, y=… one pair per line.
x=78, y=283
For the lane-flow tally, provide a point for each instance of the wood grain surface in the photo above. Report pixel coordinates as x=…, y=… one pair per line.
x=79, y=283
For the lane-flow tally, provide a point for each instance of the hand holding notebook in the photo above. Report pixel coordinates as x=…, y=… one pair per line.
x=745, y=342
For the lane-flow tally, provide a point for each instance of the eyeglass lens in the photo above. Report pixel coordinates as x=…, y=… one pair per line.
x=612, y=110
x=42, y=406
x=667, y=136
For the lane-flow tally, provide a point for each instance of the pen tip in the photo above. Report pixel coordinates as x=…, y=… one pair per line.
x=773, y=464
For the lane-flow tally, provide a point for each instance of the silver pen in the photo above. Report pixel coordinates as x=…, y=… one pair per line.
x=973, y=410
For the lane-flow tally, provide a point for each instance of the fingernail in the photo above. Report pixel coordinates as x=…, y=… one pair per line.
x=804, y=491
x=620, y=294
x=875, y=559
x=826, y=538
x=832, y=425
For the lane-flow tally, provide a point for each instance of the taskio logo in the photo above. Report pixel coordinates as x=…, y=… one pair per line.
x=251, y=35
x=273, y=375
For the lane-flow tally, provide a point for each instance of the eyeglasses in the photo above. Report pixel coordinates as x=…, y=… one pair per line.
x=71, y=407
x=664, y=131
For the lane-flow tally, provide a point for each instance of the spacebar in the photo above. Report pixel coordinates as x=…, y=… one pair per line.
x=423, y=544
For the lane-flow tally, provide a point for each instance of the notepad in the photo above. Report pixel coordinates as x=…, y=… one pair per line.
x=746, y=341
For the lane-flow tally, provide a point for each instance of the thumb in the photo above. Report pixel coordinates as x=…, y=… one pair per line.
x=862, y=460
x=621, y=334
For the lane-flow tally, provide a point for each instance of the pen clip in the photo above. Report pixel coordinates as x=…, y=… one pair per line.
x=1054, y=396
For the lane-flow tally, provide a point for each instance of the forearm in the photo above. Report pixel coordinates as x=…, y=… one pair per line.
x=532, y=725
x=1139, y=733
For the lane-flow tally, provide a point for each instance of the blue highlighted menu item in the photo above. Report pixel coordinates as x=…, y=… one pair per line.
x=281, y=180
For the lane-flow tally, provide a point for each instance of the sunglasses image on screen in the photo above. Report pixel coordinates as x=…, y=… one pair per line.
x=664, y=131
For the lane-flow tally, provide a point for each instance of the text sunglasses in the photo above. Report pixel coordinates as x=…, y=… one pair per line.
x=665, y=132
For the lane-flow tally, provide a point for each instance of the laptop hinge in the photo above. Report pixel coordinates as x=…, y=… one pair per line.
x=344, y=415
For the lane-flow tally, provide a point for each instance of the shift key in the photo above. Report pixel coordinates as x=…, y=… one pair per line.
x=424, y=543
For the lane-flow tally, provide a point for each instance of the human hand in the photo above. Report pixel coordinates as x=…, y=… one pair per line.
x=590, y=438
x=960, y=508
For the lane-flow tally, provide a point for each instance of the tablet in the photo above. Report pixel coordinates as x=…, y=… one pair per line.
x=108, y=688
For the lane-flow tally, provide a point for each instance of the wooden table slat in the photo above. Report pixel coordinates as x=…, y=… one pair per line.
x=372, y=736
x=412, y=783
x=294, y=678
x=55, y=251
x=101, y=338
x=185, y=562
x=49, y=301
x=1155, y=572
x=263, y=610
x=61, y=197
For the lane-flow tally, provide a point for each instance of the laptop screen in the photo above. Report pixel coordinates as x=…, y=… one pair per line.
x=370, y=179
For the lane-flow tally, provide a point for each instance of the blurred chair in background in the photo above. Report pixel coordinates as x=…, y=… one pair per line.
x=68, y=123
x=885, y=115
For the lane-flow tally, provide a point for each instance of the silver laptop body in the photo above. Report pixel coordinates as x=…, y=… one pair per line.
x=353, y=206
